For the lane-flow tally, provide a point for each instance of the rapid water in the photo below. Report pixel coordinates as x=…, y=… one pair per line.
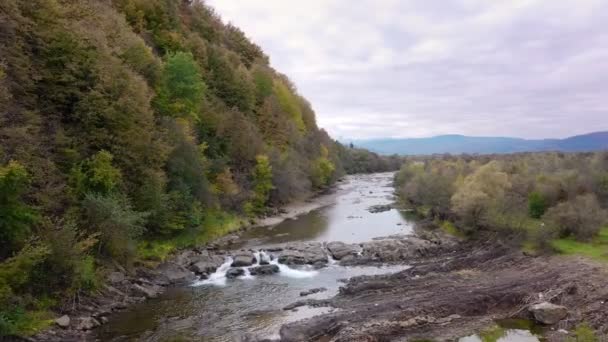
x=222, y=309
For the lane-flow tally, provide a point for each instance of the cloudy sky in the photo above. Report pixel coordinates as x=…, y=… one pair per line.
x=398, y=68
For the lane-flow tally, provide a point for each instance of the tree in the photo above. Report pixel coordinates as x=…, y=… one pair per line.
x=16, y=217
x=96, y=175
x=536, y=205
x=482, y=191
x=181, y=88
x=262, y=185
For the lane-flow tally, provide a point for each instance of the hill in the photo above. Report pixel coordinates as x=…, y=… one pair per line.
x=130, y=128
x=458, y=144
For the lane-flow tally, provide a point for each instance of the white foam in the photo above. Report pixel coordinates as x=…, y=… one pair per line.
x=247, y=274
x=286, y=271
x=217, y=278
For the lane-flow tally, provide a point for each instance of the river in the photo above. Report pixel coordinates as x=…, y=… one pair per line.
x=220, y=309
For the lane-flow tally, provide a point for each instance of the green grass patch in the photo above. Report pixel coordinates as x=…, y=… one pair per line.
x=596, y=249
x=19, y=322
x=215, y=224
x=450, y=229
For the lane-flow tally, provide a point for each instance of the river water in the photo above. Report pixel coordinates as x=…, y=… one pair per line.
x=220, y=309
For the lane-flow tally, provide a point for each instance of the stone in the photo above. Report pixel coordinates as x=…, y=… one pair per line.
x=339, y=250
x=312, y=291
x=148, y=291
x=548, y=313
x=379, y=208
x=264, y=270
x=207, y=265
x=86, y=323
x=303, y=253
x=243, y=260
x=116, y=277
x=63, y=321
x=176, y=274
x=234, y=272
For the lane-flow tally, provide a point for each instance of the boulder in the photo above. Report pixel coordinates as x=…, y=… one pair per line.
x=339, y=250
x=234, y=272
x=243, y=260
x=86, y=323
x=206, y=265
x=264, y=270
x=186, y=258
x=548, y=313
x=116, y=277
x=303, y=253
x=176, y=274
x=63, y=321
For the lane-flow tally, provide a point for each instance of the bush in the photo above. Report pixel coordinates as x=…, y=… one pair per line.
x=581, y=217
x=117, y=223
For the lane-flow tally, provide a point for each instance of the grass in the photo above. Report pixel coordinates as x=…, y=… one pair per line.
x=450, y=229
x=215, y=224
x=596, y=249
x=24, y=323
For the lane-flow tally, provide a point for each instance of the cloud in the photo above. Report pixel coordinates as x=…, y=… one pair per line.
x=393, y=68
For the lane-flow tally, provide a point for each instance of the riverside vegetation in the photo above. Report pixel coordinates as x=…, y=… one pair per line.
x=551, y=201
x=130, y=129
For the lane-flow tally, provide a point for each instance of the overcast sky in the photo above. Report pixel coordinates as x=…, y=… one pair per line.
x=396, y=68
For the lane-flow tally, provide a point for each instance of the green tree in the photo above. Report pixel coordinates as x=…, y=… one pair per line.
x=96, y=175
x=537, y=205
x=262, y=185
x=481, y=192
x=16, y=217
x=181, y=88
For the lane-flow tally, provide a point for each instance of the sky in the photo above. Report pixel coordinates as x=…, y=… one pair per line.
x=417, y=68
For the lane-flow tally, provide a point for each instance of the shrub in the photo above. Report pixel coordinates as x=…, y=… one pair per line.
x=118, y=224
x=581, y=217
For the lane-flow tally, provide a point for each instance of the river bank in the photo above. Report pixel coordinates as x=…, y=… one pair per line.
x=449, y=293
x=124, y=288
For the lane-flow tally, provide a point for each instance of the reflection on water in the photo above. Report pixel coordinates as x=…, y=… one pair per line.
x=347, y=220
x=229, y=309
x=508, y=330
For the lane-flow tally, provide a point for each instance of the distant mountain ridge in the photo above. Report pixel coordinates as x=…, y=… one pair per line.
x=458, y=144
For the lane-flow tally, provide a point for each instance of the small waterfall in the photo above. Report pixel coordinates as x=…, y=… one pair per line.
x=286, y=271
x=218, y=277
x=331, y=260
x=247, y=274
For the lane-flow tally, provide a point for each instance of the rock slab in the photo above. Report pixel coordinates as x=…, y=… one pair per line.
x=548, y=313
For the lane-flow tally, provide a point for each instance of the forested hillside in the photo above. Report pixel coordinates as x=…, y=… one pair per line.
x=128, y=125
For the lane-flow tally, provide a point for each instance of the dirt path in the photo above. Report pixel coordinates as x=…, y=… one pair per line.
x=458, y=291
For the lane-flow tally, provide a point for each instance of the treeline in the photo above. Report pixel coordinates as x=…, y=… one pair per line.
x=542, y=196
x=134, y=120
x=359, y=160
